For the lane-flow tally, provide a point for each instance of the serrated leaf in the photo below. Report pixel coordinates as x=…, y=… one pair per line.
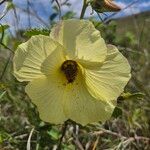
x=36, y=31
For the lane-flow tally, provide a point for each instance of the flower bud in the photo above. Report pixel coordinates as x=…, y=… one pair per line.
x=101, y=6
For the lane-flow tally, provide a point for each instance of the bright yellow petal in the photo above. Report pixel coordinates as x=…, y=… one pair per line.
x=53, y=62
x=47, y=94
x=109, y=80
x=81, y=40
x=81, y=107
x=30, y=55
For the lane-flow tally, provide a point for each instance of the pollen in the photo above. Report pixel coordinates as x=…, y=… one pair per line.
x=70, y=69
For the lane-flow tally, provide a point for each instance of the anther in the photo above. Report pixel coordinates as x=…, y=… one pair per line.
x=70, y=69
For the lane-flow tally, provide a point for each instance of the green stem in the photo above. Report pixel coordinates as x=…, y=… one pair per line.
x=6, y=47
x=83, y=9
x=5, y=68
x=64, y=129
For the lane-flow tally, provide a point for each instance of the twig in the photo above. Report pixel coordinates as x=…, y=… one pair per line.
x=2, y=2
x=140, y=85
x=112, y=15
x=77, y=142
x=29, y=139
x=28, y=11
x=99, y=16
x=6, y=47
x=58, y=8
x=4, y=12
x=141, y=34
x=83, y=9
x=130, y=50
x=33, y=13
x=95, y=143
x=16, y=18
x=22, y=136
x=75, y=136
x=2, y=36
x=64, y=129
x=102, y=131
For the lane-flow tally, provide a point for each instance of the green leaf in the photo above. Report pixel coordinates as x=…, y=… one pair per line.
x=44, y=126
x=68, y=147
x=53, y=16
x=117, y=112
x=54, y=134
x=3, y=27
x=10, y=5
x=36, y=31
x=2, y=94
x=69, y=15
x=4, y=136
x=129, y=96
x=56, y=8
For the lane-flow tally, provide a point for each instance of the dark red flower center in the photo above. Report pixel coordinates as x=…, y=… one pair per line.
x=70, y=69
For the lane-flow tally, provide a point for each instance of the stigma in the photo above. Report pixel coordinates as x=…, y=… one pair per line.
x=70, y=69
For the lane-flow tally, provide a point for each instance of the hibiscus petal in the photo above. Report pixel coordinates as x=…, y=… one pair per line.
x=30, y=55
x=47, y=92
x=109, y=80
x=53, y=62
x=47, y=96
x=81, y=107
x=81, y=40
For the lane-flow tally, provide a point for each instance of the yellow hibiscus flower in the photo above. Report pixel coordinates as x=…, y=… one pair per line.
x=72, y=74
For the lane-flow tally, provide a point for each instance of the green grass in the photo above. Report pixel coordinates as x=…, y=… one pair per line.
x=139, y=25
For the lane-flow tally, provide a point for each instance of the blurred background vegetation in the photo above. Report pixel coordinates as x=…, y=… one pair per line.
x=129, y=127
